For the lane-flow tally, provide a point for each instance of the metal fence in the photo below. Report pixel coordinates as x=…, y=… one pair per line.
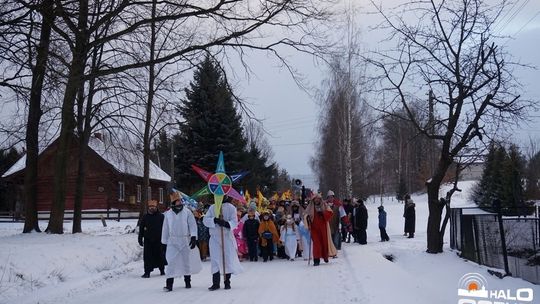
x=477, y=235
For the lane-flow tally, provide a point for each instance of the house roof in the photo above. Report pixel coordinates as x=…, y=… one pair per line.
x=127, y=161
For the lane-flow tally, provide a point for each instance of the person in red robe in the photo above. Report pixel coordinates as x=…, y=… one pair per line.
x=317, y=215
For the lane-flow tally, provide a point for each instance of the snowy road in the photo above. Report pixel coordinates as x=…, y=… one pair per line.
x=278, y=281
x=103, y=265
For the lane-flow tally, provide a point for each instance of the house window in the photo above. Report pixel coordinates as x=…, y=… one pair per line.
x=161, y=195
x=139, y=193
x=121, y=191
x=149, y=195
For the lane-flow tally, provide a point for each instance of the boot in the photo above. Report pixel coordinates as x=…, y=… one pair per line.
x=316, y=262
x=215, y=282
x=146, y=275
x=187, y=280
x=227, y=281
x=162, y=270
x=168, y=285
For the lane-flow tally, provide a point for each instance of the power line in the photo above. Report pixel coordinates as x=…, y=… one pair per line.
x=527, y=23
x=514, y=15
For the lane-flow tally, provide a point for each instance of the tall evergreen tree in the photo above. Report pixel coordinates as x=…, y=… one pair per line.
x=161, y=154
x=485, y=186
x=210, y=124
x=501, y=179
x=512, y=188
x=532, y=190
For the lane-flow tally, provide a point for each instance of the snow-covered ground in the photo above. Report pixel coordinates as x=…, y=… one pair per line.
x=103, y=265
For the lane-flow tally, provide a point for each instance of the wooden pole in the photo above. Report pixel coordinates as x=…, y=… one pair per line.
x=223, y=248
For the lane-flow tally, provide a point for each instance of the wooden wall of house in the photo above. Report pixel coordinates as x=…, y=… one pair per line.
x=130, y=191
x=101, y=183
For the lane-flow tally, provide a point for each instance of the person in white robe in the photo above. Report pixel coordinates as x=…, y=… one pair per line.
x=180, y=235
x=221, y=228
x=305, y=237
x=290, y=237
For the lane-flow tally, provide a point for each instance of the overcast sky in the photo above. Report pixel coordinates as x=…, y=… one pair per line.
x=290, y=114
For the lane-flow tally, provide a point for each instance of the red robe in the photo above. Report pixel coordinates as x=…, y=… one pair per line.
x=319, y=234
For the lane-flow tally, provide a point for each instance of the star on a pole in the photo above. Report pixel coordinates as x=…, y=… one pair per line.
x=219, y=184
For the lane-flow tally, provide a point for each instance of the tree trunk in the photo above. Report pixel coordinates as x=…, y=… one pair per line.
x=348, y=141
x=34, y=117
x=434, y=235
x=434, y=238
x=74, y=82
x=445, y=222
x=148, y=118
x=84, y=131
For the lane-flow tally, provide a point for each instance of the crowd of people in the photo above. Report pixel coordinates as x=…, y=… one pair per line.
x=178, y=240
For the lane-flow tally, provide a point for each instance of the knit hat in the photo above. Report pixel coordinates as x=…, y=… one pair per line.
x=330, y=193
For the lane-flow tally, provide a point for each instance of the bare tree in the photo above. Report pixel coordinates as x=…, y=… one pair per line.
x=235, y=24
x=28, y=56
x=451, y=51
x=344, y=121
x=255, y=136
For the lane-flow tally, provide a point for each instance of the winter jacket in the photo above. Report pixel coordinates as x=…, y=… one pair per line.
x=361, y=220
x=202, y=231
x=268, y=226
x=410, y=217
x=150, y=227
x=382, y=219
x=251, y=229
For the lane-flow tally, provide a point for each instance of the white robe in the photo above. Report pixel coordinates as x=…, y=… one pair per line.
x=290, y=239
x=176, y=234
x=232, y=264
x=306, y=239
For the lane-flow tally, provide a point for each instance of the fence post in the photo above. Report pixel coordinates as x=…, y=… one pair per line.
x=497, y=205
x=118, y=215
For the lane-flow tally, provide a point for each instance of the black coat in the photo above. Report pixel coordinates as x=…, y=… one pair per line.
x=151, y=226
x=150, y=234
x=251, y=229
x=410, y=218
x=361, y=218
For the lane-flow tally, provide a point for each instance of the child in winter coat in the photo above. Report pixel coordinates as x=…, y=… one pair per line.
x=251, y=234
x=290, y=237
x=204, y=235
x=268, y=235
x=241, y=244
x=382, y=224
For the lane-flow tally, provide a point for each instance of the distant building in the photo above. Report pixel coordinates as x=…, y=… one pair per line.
x=473, y=167
x=472, y=171
x=113, y=177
